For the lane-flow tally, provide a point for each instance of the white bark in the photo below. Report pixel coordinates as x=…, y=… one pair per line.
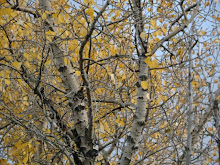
x=75, y=96
x=134, y=137
x=140, y=113
x=139, y=118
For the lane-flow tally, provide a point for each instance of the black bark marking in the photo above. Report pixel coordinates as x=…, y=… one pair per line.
x=79, y=108
x=138, y=84
x=62, y=69
x=140, y=123
x=70, y=104
x=131, y=139
x=143, y=78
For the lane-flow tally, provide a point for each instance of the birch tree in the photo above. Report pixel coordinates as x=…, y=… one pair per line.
x=106, y=82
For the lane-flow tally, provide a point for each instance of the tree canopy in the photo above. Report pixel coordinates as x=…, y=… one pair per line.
x=109, y=82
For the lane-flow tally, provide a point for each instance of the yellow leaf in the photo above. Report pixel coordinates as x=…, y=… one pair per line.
x=147, y=60
x=20, y=32
x=175, y=28
x=3, y=161
x=90, y=12
x=159, y=33
x=159, y=10
x=16, y=64
x=133, y=101
x=82, y=21
x=169, y=4
x=4, y=11
x=202, y=32
x=216, y=40
x=210, y=129
x=86, y=1
x=27, y=56
x=164, y=98
x=142, y=35
x=209, y=59
x=117, y=14
x=153, y=64
x=54, y=15
x=50, y=33
x=124, y=77
x=153, y=23
x=26, y=32
x=174, y=40
x=60, y=19
x=144, y=84
x=72, y=46
x=135, y=157
x=25, y=159
x=44, y=16
x=195, y=104
x=8, y=82
x=20, y=145
x=66, y=61
x=27, y=64
x=35, y=56
x=2, y=73
x=83, y=31
x=8, y=58
x=164, y=30
x=180, y=51
x=120, y=122
x=147, y=54
x=47, y=63
x=78, y=73
x=207, y=4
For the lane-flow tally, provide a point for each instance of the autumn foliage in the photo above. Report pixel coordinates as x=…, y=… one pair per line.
x=106, y=82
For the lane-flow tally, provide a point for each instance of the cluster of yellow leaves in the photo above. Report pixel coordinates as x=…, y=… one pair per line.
x=99, y=51
x=4, y=162
x=153, y=24
x=151, y=62
x=73, y=45
x=90, y=11
x=7, y=12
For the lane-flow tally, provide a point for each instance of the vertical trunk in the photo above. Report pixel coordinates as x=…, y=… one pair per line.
x=189, y=130
x=139, y=117
x=140, y=113
x=75, y=95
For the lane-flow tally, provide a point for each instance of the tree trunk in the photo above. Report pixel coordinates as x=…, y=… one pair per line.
x=74, y=94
